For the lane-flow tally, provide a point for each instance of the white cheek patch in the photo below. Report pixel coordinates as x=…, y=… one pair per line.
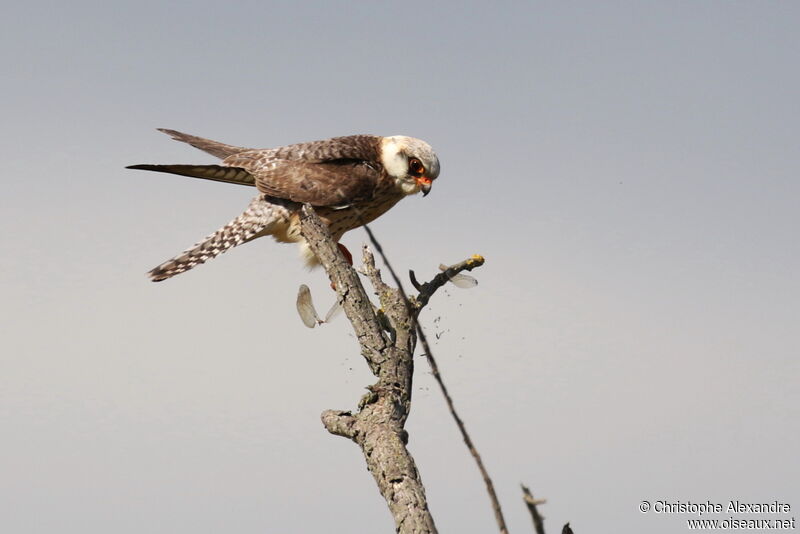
x=393, y=161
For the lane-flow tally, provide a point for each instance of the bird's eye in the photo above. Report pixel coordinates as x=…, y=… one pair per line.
x=415, y=167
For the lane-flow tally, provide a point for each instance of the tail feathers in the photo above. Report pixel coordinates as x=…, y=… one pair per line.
x=215, y=148
x=259, y=219
x=217, y=173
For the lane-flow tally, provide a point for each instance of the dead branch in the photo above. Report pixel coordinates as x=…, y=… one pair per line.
x=378, y=426
x=533, y=508
x=487, y=480
x=426, y=291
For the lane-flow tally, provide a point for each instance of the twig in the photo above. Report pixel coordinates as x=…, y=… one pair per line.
x=538, y=520
x=498, y=512
x=427, y=289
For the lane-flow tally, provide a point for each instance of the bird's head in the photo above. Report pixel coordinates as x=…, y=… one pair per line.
x=411, y=162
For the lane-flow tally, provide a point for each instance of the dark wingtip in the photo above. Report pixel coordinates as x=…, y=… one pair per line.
x=156, y=276
x=149, y=167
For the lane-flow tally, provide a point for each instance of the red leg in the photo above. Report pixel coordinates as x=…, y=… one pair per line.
x=347, y=255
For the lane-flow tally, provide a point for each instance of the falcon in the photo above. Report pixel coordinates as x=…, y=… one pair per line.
x=350, y=181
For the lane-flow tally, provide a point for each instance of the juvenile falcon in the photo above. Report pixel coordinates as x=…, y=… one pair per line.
x=349, y=180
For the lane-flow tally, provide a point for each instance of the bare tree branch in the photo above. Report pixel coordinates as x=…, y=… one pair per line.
x=426, y=291
x=378, y=427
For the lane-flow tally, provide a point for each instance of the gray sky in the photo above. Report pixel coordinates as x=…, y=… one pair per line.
x=629, y=171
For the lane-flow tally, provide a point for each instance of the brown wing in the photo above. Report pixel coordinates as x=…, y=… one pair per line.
x=319, y=184
x=334, y=172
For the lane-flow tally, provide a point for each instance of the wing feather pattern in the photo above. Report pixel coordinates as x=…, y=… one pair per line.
x=334, y=172
x=319, y=184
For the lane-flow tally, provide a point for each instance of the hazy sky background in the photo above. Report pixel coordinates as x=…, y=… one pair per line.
x=628, y=169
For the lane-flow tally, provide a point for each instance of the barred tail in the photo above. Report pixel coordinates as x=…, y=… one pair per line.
x=217, y=173
x=258, y=219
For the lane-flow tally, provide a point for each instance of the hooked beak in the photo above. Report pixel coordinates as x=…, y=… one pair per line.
x=424, y=185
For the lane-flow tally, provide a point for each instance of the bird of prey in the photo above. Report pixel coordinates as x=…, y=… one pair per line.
x=349, y=181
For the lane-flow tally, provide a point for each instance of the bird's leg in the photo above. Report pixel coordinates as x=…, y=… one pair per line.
x=347, y=255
